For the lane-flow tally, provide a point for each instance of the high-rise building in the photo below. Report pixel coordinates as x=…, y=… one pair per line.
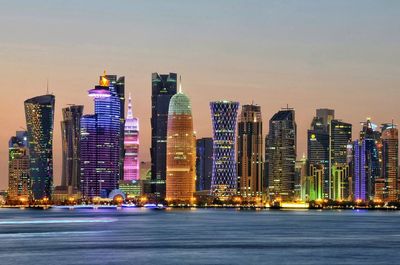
x=39, y=113
x=250, y=157
x=204, y=164
x=366, y=162
x=71, y=158
x=19, y=183
x=224, y=176
x=181, y=150
x=118, y=87
x=163, y=88
x=327, y=145
x=100, y=142
x=281, y=155
x=390, y=161
x=312, y=183
x=131, y=142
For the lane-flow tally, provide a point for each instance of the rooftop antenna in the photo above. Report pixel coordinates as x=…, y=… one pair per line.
x=47, y=86
x=180, y=84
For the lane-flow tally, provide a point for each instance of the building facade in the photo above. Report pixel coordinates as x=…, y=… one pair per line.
x=131, y=144
x=281, y=155
x=100, y=142
x=71, y=158
x=204, y=164
x=181, y=151
x=390, y=161
x=19, y=182
x=224, y=176
x=250, y=152
x=164, y=86
x=39, y=113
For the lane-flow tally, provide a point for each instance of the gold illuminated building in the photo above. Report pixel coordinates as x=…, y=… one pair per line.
x=181, y=151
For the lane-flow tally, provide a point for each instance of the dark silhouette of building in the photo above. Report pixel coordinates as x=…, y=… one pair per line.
x=204, y=164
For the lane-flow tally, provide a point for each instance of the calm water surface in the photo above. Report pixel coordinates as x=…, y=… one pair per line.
x=140, y=236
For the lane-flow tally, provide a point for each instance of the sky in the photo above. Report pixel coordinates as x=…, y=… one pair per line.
x=341, y=54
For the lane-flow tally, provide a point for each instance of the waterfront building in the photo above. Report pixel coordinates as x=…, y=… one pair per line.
x=39, y=113
x=164, y=86
x=100, y=142
x=181, y=150
x=313, y=183
x=19, y=182
x=366, y=162
x=224, y=175
x=71, y=158
x=390, y=161
x=281, y=155
x=131, y=144
x=204, y=164
x=250, y=157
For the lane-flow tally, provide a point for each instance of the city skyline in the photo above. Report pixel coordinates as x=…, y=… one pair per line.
x=277, y=70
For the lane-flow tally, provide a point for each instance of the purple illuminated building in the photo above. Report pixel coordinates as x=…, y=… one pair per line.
x=224, y=174
x=100, y=142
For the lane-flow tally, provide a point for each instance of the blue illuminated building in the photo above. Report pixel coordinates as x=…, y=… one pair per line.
x=224, y=176
x=100, y=142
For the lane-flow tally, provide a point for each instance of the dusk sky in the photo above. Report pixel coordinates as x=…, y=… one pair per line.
x=309, y=54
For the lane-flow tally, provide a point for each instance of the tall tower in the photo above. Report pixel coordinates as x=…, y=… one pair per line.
x=131, y=142
x=281, y=155
x=19, y=184
x=204, y=164
x=100, y=142
x=250, y=155
x=163, y=88
x=39, y=113
x=71, y=158
x=390, y=160
x=366, y=162
x=181, y=150
x=224, y=177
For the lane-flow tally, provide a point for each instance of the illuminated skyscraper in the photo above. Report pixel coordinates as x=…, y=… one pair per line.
x=39, y=113
x=19, y=184
x=181, y=150
x=100, y=142
x=131, y=160
x=366, y=162
x=71, y=158
x=250, y=155
x=224, y=177
x=204, y=164
x=281, y=155
x=390, y=161
x=163, y=88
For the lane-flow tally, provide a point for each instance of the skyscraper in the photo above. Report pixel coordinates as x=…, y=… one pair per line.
x=163, y=88
x=118, y=87
x=71, y=158
x=181, y=150
x=224, y=177
x=281, y=155
x=19, y=184
x=131, y=142
x=390, y=160
x=39, y=113
x=250, y=157
x=327, y=142
x=366, y=162
x=100, y=142
x=204, y=163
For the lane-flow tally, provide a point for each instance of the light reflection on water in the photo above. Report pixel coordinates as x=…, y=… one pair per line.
x=201, y=236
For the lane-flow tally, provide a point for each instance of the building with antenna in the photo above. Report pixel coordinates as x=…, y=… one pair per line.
x=39, y=113
x=131, y=144
x=181, y=150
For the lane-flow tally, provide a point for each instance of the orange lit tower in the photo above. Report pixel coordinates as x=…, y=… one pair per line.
x=181, y=150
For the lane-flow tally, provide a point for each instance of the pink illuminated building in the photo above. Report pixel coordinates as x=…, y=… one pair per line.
x=131, y=144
